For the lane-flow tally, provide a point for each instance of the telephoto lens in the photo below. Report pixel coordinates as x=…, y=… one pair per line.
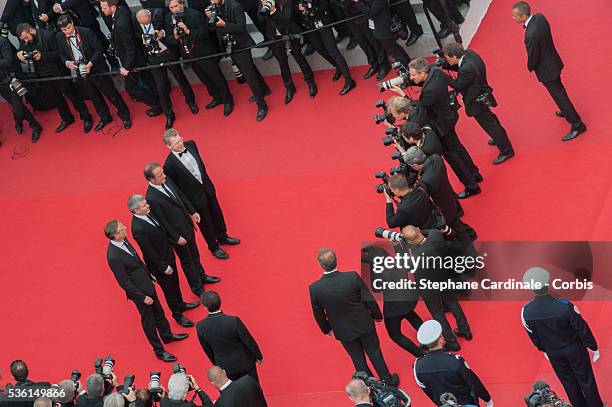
x=75, y=376
x=387, y=141
x=154, y=381
x=388, y=234
x=386, y=85
x=107, y=367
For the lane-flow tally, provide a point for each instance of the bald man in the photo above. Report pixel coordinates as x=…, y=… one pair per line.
x=243, y=392
x=359, y=393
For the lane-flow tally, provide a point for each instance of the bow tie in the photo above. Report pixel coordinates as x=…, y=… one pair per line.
x=183, y=152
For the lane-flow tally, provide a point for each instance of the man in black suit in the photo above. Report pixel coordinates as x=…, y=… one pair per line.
x=47, y=64
x=543, y=58
x=159, y=257
x=178, y=216
x=242, y=392
x=87, y=15
x=472, y=83
x=42, y=13
x=226, y=340
x=126, y=47
x=359, y=393
x=187, y=29
x=433, y=108
x=157, y=50
x=422, y=137
x=138, y=284
x=80, y=46
x=186, y=167
x=344, y=307
x=20, y=372
x=414, y=208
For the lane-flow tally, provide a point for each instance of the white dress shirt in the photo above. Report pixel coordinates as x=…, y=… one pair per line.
x=163, y=191
x=528, y=20
x=122, y=246
x=146, y=219
x=74, y=46
x=189, y=161
x=225, y=385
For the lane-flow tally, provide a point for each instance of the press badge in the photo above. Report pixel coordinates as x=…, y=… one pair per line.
x=318, y=24
x=370, y=24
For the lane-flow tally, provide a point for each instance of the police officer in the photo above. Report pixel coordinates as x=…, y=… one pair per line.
x=441, y=372
x=556, y=328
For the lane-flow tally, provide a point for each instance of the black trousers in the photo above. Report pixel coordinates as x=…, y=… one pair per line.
x=171, y=289
x=375, y=53
x=96, y=87
x=436, y=303
x=406, y=13
x=491, y=125
x=252, y=372
x=50, y=93
x=212, y=223
x=394, y=329
x=459, y=159
x=559, y=95
x=280, y=53
x=20, y=111
x=336, y=13
x=162, y=83
x=189, y=256
x=395, y=51
x=209, y=73
x=437, y=9
x=367, y=344
x=252, y=76
x=574, y=370
x=71, y=92
x=154, y=323
x=131, y=86
x=324, y=42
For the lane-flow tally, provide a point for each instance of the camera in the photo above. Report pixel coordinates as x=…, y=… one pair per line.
x=215, y=9
x=4, y=31
x=384, y=395
x=176, y=19
x=177, y=368
x=230, y=42
x=264, y=11
x=27, y=66
x=380, y=188
x=543, y=396
x=75, y=376
x=109, y=362
x=440, y=60
x=155, y=386
x=397, y=28
x=396, y=155
x=18, y=87
x=402, y=80
x=453, y=100
x=391, y=235
x=128, y=383
x=393, y=136
x=310, y=9
x=150, y=43
x=386, y=114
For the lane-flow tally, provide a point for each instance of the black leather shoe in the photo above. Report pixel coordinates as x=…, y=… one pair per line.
x=337, y=75
x=228, y=108
x=351, y=44
x=266, y=92
x=444, y=32
x=268, y=54
x=452, y=347
x=36, y=130
x=182, y=321
x=175, y=338
x=63, y=125
x=193, y=108
x=312, y=89
x=348, y=86
x=394, y=381
x=290, y=93
x=383, y=71
x=412, y=39
x=102, y=124
x=491, y=142
x=166, y=356
x=503, y=157
x=210, y=280
x=308, y=49
x=220, y=254
x=214, y=103
x=170, y=121
x=373, y=69
x=574, y=133
x=127, y=124
x=559, y=113
x=87, y=126
x=153, y=112
x=190, y=305
x=468, y=193
x=478, y=178
x=230, y=241
x=467, y=335
x=262, y=112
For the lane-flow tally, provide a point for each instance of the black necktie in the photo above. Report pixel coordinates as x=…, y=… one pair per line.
x=183, y=152
x=170, y=194
x=127, y=245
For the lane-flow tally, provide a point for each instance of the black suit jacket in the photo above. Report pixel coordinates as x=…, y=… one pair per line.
x=342, y=303
x=244, y=392
x=158, y=17
x=378, y=11
x=471, y=81
x=46, y=43
x=86, y=12
x=542, y=56
x=8, y=61
x=124, y=39
x=154, y=243
x=433, y=246
x=429, y=142
x=43, y=7
x=131, y=273
x=202, y=41
x=89, y=45
x=415, y=208
x=434, y=178
x=228, y=343
x=433, y=106
x=189, y=185
x=282, y=20
x=174, y=216
x=232, y=13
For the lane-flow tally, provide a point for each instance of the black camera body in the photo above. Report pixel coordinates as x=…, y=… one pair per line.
x=385, y=115
x=264, y=11
x=150, y=43
x=128, y=383
x=440, y=60
x=392, y=136
x=384, y=186
x=397, y=27
x=229, y=41
x=384, y=395
x=215, y=9
x=311, y=9
x=543, y=396
x=176, y=19
x=402, y=79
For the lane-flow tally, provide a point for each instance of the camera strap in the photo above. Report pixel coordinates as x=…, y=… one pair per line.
x=487, y=93
x=440, y=219
x=76, y=45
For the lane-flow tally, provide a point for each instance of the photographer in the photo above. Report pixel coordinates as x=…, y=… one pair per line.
x=39, y=47
x=434, y=109
x=244, y=391
x=81, y=52
x=120, y=399
x=415, y=206
x=20, y=111
x=187, y=29
x=422, y=137
x=359, y=393
x=158, y=50
x=71, y=390
x=477, y=95
x=95, y=385
x=20, y=372
x=230, y=26
x=179, y=385
x=400, y=107
x=278, y=23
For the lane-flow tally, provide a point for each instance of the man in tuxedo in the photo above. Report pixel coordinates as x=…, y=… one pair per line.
x=80, y=46
x=226, y=340
x=138, y=284
x=242, y=392
x=543, y=58
x=87, y=15
x=344, y=307
x=159, y=257
x=178, y=217
x=186, y=167
x=157, y=50
x=126, y=47
x=472, y=83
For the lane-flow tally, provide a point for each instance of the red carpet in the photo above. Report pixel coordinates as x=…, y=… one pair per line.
x=300, y=180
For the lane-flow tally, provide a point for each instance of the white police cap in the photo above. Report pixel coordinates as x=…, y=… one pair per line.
x=536, y=275
x=429, y=332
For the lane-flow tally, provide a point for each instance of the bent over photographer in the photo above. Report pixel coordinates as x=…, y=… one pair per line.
x=179, y=385
x=414, y=208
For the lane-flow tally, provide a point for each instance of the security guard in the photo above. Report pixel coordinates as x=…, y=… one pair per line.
x=556, y=328
x=441, y=372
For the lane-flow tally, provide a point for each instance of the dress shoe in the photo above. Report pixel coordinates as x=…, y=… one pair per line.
x=214, y=103
x=503, y=157
x=452, y=347
x=574, y=132
x=175, y=338
x=491, y=142
x=170, y=121
x=190, y=305
x=308, y=49
x=394, y=380
x=468, y=193
x=193, y=108
x=63, y=125
x=351, y=44
x=348, y=85
x=444, y=32
x=383, y=71
x=228, y=108
x=154, y=111
x=559, y=113
x=373, y=69
x=337, y=75
x=290, y=93
x=182, y=321
x=467, y=334
x=412, y=39
x=268, y=54
x=210, y=280
x=312, y=89
x=87, y=125
x=36, y=130
x=166, y=356
x=478, y=178
x=220, y=254
x=266, y=92
x=127, y=124
x=19, y=128
x=102, y=124
x=262, y=112
x=230, y=241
